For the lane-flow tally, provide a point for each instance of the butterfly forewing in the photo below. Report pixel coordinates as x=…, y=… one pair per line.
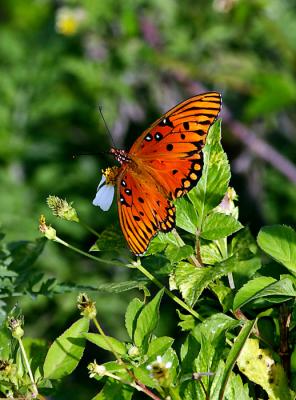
x=165, y=162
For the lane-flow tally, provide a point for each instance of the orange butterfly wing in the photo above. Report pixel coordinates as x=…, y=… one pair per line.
x=143, y=209
x=165, y=162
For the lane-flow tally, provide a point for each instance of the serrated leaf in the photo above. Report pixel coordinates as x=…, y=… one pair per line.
x=187, y=321
x=217, y=225
x=109, y=239
x=263, y=287
x=66, y=351
x=279, y=241
x=160, y=242
x=191, y=281
x=209, y=252
x=236, y=389
x=122, y=286
x=215, y=177
x=131, y=315
x=147, y=320
x=177, y=253
x=186, y=216
x=224, y=294
x=213, y=326
x=106, y=342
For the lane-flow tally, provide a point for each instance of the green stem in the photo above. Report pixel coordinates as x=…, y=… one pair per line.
x=192, y=259
x=135, y=382
x=176, y=299
x=99, y=328
x=89, y=228
x=35, y=390
x=58, y=240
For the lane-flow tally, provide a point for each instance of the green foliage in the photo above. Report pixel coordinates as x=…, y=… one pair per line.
x=214, y=264
x=137, y=59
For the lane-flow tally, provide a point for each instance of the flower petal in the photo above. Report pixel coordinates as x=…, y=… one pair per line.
x=102, y=181
x=104, y=197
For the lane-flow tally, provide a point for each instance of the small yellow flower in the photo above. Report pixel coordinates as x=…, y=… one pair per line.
x=69, y=20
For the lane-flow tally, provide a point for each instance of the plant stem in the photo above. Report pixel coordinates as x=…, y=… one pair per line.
x=192, y=259
x=35, y=390
x=89, y=228
x=99, y=328
x=136, y=384
x=152, y=278
x=58, y=240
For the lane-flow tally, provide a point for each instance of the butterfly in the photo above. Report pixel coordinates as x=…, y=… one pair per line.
x=164, y=163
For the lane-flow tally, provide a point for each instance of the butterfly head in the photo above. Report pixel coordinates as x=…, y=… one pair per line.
x=120, y=155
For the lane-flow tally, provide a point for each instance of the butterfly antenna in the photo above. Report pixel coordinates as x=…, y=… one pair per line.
x=89, y=154
x=106, y=126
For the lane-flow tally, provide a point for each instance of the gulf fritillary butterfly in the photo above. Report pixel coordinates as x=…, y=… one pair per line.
x=164, y=163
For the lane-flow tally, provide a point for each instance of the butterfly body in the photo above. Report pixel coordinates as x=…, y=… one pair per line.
x=163, y=164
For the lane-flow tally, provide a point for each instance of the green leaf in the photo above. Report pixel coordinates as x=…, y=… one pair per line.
x=186, y=216
x=110, y=239
x=177, y=253
x=121, y=286
x=191, y=281
x=158, y=346
x=279, y=241
x=106, y=342
x=224, y=294
x=218, y=225
x=235, y=389
x=25, y=253
x=115, y=390
x=66, y=351
x=147, y=320
x=263, y=287
x=5, y=343
x=234, y=354
x=208, y=358
x=215, y=177
x=160, y=242
x=214, y=326
x=261, y=368
x=131, y=315
x=210, y=253
x=187, y=321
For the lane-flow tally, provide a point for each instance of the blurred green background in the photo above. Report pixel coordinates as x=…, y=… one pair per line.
x=60, y=60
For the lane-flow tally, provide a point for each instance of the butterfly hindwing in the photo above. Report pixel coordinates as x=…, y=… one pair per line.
x=143, y=209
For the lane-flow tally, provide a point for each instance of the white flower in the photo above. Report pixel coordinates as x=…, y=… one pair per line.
x=158, y=367
x=105, y=194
